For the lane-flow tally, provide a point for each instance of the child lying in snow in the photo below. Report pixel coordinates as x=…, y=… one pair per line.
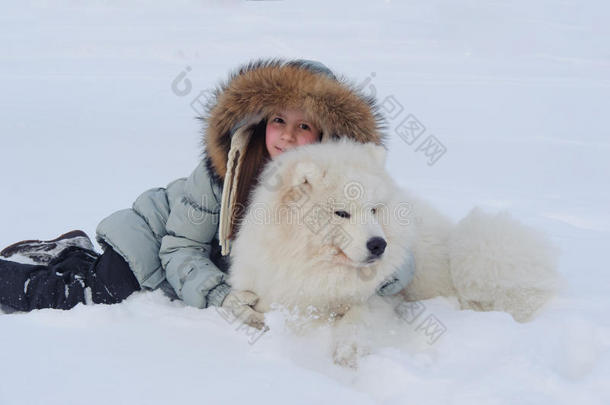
x=177, y=238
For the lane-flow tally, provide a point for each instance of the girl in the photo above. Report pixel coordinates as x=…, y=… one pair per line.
x=177, y=238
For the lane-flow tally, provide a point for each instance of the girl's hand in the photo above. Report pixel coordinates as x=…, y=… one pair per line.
x=241, y=305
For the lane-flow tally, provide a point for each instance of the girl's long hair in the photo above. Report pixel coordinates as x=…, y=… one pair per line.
x=255, y=159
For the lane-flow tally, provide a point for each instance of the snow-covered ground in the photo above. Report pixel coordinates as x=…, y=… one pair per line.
x=514, y=90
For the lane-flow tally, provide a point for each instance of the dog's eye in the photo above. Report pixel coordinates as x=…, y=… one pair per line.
x=342, y=214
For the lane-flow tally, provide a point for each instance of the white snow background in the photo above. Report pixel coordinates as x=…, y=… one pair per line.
x=515, y=90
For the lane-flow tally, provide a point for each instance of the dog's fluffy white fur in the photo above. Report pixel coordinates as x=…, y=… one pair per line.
x=292, y=249
x=296, y=247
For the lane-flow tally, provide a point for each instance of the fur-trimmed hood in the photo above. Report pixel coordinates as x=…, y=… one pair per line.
x=256, y=89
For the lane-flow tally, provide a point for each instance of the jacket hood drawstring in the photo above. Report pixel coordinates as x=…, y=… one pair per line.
x=239, y=142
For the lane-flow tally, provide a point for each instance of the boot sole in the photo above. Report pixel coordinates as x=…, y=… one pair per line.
x=45, y=245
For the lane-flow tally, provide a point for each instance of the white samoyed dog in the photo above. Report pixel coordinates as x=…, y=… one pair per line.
x=327, y=225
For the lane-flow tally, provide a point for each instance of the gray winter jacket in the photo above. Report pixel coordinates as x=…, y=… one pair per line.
x=169, y=237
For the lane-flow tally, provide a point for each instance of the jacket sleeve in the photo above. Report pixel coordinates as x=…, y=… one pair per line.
x=400, y=278
x=185, y=250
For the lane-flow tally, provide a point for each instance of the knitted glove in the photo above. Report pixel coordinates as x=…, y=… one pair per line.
x=399, y=279
x=241, y=305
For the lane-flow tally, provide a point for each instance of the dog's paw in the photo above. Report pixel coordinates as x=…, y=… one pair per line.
x=347, y=354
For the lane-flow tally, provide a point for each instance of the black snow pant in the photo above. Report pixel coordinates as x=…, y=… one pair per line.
x=63, y=283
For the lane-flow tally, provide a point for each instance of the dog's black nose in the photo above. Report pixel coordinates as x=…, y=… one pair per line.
x=376, y=246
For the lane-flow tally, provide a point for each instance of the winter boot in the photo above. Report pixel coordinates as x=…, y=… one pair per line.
x=61, y=284
x=43, y=251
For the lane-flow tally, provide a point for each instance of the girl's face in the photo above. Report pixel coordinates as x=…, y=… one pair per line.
x=288, y=129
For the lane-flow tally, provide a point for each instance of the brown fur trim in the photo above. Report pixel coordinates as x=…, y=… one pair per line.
x=263, y=87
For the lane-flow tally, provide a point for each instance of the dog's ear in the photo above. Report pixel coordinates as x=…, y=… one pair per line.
x=306, y=172
x=302, y=178
x=378, y=152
